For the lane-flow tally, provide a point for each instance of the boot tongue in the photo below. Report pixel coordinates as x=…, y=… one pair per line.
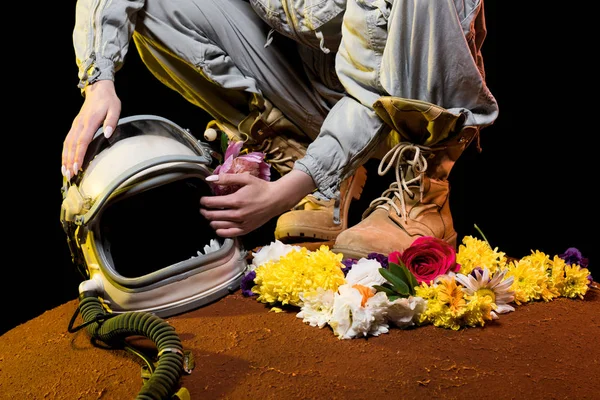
x=311, y=202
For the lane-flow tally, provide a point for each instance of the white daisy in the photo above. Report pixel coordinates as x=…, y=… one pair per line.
x=497, y=288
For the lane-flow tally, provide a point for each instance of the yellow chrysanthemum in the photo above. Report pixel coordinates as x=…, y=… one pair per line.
x=426, y=291
x=297, y=272
x=575, y=282
x=473, y=253
x=478, y=310
x=557, y=271
x=531, y=279
x=445, y=304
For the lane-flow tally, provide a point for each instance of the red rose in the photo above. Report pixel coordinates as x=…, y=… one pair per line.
x=427, y=258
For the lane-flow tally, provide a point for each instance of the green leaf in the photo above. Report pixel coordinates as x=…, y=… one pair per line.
x=224, y=144
x=403, y=273
x=412, y=281
x=387, y=290
x=399, y=285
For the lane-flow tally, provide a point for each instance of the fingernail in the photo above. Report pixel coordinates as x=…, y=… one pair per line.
x=212, y=178
x=75, y=168
x=68, y=175
x=108, y=131
x=63, y=170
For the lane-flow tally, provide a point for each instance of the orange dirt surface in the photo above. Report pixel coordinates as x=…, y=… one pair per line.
x=543, y=350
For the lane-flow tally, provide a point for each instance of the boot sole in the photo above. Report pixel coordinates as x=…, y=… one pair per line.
x=311, y=233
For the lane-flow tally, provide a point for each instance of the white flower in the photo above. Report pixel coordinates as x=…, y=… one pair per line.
x=365, y=272
x=404, y=311
x=271, y=252
x=497, y=288
x=349, y=319
x=317, y=307
x=212, y=246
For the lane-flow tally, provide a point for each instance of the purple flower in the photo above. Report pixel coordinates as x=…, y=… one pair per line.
x=348, y=264
x=473, y=274
x=574, y=256
x=247, y=284
x=381, y=259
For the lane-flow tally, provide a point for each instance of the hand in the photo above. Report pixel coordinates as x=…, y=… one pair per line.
x=101, y=107
x=254, y=203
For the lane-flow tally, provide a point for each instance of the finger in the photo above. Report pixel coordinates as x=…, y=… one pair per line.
x=229, y=232
x=111, y=121
x=220, y=215
x=222, y=225
x=83, y=141
x=220, y=202
x=243, y=178
x=68, y=148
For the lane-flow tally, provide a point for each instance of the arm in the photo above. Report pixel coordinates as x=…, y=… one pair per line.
x=255, y=203
x=100, y=39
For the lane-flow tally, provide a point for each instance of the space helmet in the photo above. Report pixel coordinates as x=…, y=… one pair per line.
x=133, y=223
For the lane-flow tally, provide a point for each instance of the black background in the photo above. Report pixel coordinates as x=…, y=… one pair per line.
x=531, y=188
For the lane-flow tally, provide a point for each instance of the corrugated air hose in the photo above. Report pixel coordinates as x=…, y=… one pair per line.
x=162, y=379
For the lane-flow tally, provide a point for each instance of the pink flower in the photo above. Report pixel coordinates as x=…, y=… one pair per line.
x=427, y=258
x=252, y=163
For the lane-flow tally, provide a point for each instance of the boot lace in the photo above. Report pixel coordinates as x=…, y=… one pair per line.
x=410, y=162
x=274, y=154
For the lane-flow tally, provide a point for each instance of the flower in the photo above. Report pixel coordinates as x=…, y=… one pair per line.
x=365, y=272
x=299, y=271
x=569, y=280
x=350, y=319
x=531, y=279
x=234, y=163
x=496, y=287
x=573, y=256
x=451, y=307
x=247, y=284
x=272, y=252
x=317, y=307
x=349, y=262
x=473, y=253
x=427, y=257
x=575, y=283
x=366, y=296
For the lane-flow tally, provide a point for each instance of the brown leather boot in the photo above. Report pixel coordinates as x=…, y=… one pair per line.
x=416, y=204
x=267, y=130
x=318, y=219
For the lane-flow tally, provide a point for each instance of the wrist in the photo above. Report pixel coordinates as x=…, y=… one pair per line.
x=292, y=187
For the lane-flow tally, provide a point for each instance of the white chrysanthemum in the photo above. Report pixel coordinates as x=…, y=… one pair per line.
x=497, y=288
x=317, y=307
x=403, y=312
x=365, y=272
x=271, y=252
x=350, y=319
x=212, y=246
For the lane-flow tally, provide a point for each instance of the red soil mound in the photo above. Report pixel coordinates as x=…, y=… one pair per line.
x=540, y=351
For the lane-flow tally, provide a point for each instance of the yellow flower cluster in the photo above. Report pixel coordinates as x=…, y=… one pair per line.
x=299, y=271
x=537, y=277
x=473, y=253
x=448, y=306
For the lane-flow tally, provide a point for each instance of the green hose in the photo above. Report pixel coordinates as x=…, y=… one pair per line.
x=113, y=329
